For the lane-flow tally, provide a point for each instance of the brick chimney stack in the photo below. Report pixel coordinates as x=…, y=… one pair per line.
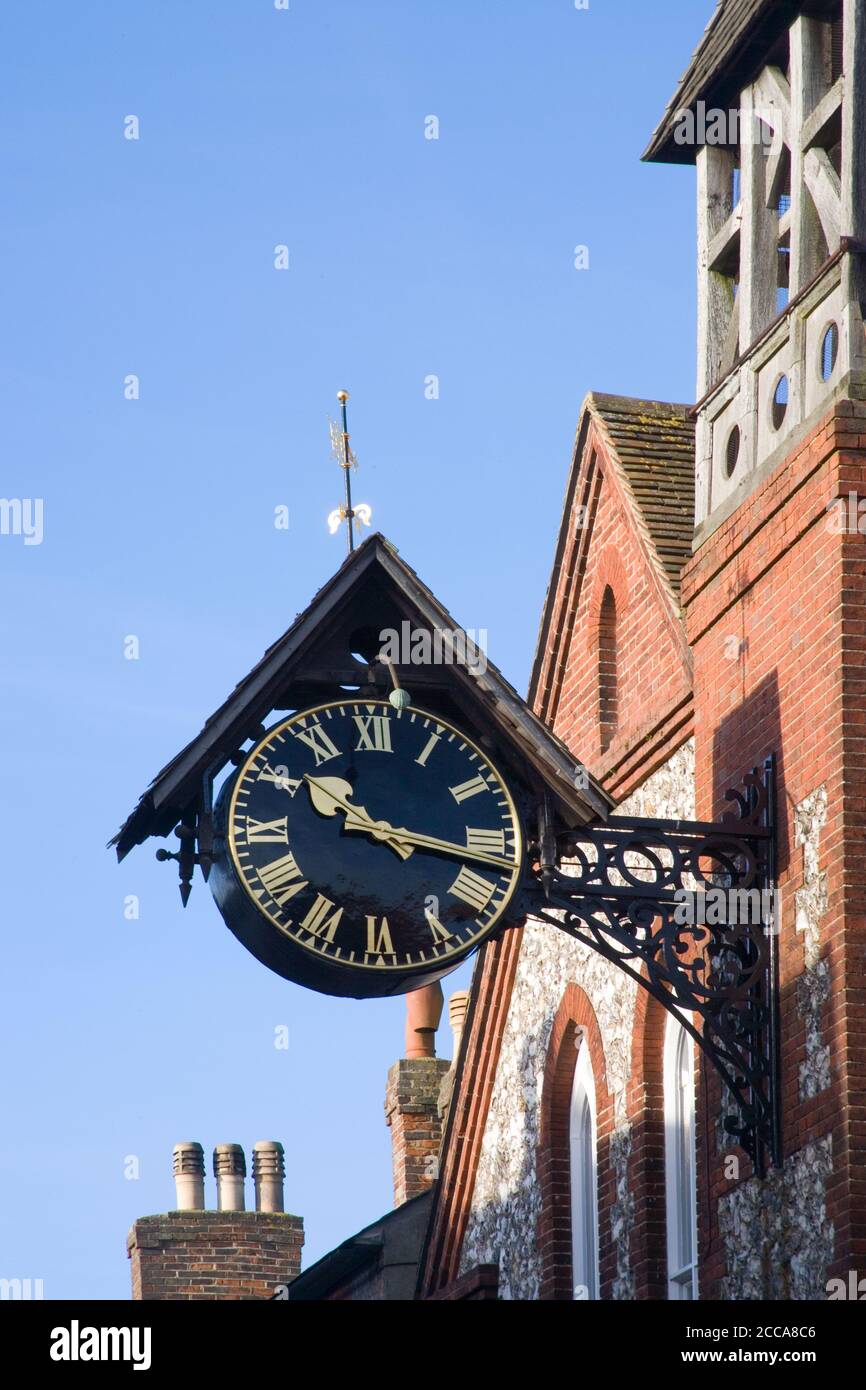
x=193, y=1254
x=412, y=1098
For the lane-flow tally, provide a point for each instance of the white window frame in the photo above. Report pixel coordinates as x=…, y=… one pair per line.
x=583, y=1166
x=681, y=1203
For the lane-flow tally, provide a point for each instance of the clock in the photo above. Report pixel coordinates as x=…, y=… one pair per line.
x=364, y=850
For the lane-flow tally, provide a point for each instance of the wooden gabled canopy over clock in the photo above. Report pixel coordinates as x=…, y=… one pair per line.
x=365, y=826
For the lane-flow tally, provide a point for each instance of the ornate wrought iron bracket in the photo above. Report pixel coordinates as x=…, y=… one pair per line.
x=645, y=895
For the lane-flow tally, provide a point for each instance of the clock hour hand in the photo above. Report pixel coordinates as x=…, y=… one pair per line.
x=330, y=795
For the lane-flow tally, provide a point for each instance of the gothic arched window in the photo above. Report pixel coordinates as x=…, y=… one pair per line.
x=680, y=1166
x=584, y=1180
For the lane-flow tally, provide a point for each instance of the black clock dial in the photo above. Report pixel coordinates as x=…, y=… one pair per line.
x=375, y=839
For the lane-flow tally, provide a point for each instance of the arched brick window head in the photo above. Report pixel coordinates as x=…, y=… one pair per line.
x=607, y=677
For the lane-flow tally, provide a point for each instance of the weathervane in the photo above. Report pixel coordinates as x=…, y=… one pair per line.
x=362, y=512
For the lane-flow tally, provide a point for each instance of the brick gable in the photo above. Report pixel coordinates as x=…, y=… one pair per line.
x=625, y=531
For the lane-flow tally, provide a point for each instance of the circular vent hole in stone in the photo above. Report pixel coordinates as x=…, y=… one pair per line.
x=829, y=351
x=732, y=451
x=780, y=402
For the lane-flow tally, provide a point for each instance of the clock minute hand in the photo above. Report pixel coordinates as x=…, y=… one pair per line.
x=455, y=850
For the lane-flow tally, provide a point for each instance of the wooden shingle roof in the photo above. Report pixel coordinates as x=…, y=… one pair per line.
x=734, y=47
x=654, y=443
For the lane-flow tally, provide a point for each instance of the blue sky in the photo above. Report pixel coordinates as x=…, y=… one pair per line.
x=407, y=257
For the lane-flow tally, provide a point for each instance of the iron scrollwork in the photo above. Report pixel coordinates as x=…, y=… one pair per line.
x=613, y=887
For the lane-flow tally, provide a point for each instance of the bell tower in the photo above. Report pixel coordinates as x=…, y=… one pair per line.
x=772, y=111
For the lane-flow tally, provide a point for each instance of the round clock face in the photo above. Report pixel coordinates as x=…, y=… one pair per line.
x=382, y=844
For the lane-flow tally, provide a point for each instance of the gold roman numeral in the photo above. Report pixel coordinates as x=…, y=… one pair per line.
x=379, y=941
x=268, y=832
x=427, y=750
x=485, y=841
x=470, y=788
x=440, y=933
x=317, y=920
x=279, y=878
x=316, y=739
x=374, y=733
x=472, y=888
x=280, y=779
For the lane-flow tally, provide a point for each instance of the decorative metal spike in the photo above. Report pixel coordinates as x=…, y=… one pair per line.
x=187, y=857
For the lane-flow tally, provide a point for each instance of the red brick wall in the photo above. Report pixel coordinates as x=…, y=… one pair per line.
x=792, y=593
x=214, y=1254
x=645, y=1106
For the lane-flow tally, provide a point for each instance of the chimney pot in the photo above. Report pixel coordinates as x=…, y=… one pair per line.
x=457, y=1007
x=269, y=1169
x=423, y=1012
x=230, y=1169
x=188, y=1166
